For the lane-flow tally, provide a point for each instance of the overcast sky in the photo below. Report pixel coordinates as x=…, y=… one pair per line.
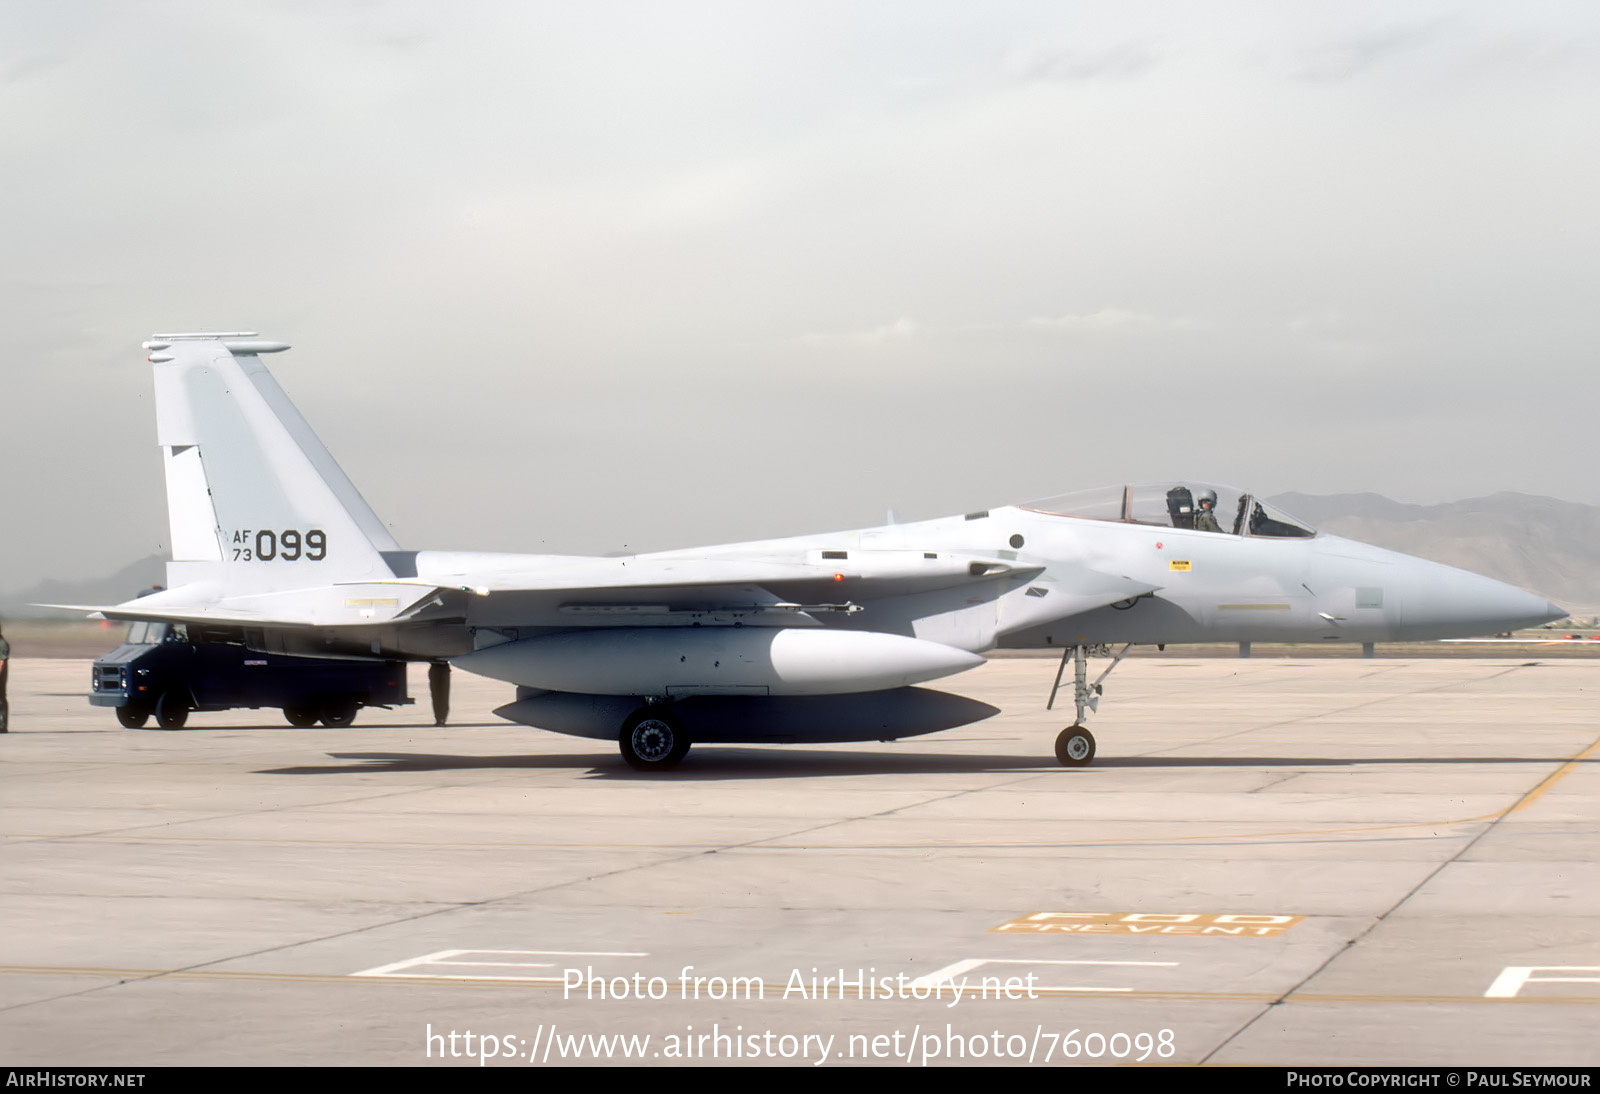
x=586, y=277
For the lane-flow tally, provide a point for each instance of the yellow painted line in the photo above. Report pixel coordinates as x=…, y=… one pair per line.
x=1555, y=776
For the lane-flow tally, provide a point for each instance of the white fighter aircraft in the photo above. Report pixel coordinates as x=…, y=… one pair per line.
x=814, y=638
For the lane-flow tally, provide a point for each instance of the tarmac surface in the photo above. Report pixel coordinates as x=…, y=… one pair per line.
x=1271, y=862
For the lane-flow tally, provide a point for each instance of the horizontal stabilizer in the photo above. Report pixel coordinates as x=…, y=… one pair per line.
x=351, y=605
x=131, y=612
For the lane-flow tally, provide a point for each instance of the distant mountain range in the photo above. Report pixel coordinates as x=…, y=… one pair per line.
x=1543, y=545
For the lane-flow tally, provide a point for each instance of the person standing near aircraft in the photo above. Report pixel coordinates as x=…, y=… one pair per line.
x=5, y=665
x=1206, y=519
x=439, y=690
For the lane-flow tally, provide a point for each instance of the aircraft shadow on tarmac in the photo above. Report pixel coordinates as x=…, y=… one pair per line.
x=194, y=727
x=723, y=763
x=737, y=763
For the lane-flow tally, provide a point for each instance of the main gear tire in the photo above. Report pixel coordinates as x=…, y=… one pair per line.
x=301, y=717
x=1075, y=747
x=653, y=739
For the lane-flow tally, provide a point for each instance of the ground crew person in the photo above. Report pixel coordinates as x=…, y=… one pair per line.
x=439, y=688
x=1206, y=519
x=5, y=665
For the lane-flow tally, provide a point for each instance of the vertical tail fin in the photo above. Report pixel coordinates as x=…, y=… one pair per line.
x=253, y=497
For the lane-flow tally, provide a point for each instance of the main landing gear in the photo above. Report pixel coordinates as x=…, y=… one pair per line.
x=1075, y=744
x=653, y=739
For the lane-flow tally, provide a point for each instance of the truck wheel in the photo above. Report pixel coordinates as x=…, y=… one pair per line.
x=340, y=713
x=172, y=710
x=133, y=717
x=303, y=717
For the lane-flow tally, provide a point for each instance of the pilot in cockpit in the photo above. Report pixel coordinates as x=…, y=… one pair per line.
x=1205, y=517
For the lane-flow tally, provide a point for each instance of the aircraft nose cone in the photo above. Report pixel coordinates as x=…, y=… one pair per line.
x=1448, y=603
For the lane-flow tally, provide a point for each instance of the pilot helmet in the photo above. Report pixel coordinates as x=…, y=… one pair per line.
x=1207, y=498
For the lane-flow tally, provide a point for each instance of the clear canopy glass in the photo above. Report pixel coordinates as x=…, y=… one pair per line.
x=1200, y=506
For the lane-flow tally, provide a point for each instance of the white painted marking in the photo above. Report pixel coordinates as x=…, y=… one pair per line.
x=1512, y=978
x=950, y=972
x=443, y=959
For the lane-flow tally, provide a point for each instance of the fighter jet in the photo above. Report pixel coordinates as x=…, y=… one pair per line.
x=818, y=638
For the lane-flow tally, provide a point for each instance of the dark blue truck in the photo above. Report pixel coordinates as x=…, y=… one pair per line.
x=168, y=670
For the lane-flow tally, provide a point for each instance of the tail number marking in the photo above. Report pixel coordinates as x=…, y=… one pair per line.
x=290, y=545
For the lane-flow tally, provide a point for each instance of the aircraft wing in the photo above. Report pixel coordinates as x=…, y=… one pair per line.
x=577, y=591
x=667, y=590
x=882, y=573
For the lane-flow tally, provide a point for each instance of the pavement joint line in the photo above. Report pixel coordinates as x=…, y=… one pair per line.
x=1282, y=778
x=139, y=834
x=951, y=795
x=761, y=843
x=1323, y=715
x=243, y=898
x=1527, y=798
x=113, y=833
x=203, y=966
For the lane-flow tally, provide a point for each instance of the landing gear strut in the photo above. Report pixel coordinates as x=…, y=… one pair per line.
x=1075, y=745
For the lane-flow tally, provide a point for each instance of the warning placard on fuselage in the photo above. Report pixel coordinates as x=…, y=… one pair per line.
x=1186, y=924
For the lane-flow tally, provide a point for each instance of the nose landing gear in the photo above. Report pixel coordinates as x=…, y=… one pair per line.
x=1075, y=745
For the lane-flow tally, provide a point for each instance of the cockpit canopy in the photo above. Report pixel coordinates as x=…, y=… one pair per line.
x=1200, y=506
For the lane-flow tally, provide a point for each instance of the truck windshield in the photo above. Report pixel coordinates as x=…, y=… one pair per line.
x=146, y=634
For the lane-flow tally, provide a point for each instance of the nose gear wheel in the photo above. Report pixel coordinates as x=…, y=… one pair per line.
x=1075, y=747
